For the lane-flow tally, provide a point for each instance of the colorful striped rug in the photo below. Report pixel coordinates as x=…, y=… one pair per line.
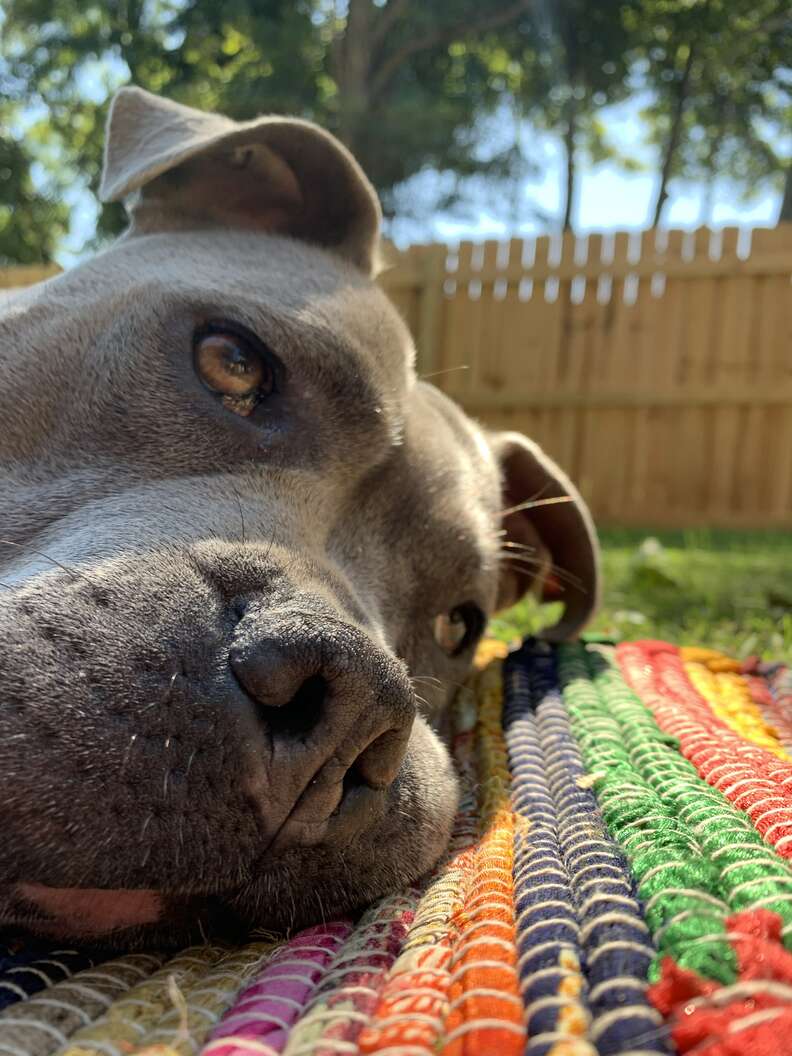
x=619, y=881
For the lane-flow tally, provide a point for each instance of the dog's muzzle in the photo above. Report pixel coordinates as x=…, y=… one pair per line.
x=219, y=736
x=336, y=714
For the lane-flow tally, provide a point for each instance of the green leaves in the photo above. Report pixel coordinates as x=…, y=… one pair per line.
x=403, y=83
x=31, y=222
x=731, y=109
x=408, y=85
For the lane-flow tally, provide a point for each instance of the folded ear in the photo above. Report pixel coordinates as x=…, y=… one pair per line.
x=179, y=168
x=544, y=512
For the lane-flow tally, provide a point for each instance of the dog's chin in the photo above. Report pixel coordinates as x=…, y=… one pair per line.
x=121, y=919
x=272, y=894
x=296, y=892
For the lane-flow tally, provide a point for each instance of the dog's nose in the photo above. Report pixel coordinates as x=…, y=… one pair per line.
x=338, y=712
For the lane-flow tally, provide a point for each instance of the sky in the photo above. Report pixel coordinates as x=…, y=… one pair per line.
x=608, y=199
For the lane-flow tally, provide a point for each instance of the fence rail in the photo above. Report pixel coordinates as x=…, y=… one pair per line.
x=655, y=367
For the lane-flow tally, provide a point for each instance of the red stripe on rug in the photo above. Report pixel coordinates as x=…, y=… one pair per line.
x=751, y=778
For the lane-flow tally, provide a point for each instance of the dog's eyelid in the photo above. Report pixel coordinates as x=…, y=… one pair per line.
x=243, y=331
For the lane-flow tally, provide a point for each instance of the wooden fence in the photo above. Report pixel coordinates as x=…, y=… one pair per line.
x=656, y=368
x=26, y=275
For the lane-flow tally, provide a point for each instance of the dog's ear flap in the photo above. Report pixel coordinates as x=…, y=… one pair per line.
x=550, y=541
x=176, y=167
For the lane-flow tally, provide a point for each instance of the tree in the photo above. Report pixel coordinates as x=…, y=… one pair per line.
x=403, y=83
x=785, y=212
x=715, y=68
x=410, y=86
x=574, y=60
x=31, y=223
x=32, y=220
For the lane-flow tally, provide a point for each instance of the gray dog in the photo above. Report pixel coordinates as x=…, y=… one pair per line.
x=246, y=553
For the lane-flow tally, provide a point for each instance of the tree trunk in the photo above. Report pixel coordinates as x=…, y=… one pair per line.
x=785, y=215
x=569, y=146
x=353, y=69
x=571, y=49
x=708, y=201
x=128, y=31
x=674, y=136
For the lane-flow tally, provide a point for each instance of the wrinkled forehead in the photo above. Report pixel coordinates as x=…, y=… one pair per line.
x=266, y=282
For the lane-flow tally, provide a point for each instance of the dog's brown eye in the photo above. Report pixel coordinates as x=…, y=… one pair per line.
x=457, y=630
x=234, y=368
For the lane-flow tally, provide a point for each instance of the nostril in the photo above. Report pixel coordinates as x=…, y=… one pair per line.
x=302, y=713
x=359, y=777
x=378, y=765
x=353, y=778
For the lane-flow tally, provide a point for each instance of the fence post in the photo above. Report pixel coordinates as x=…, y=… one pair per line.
x=430, y=299
x=26, y=275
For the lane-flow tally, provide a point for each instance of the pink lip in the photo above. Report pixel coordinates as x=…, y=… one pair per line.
x=92, y=911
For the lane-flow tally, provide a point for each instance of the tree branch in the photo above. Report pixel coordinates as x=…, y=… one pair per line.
x=337, y=49
x=387, y=20
x=391, y=66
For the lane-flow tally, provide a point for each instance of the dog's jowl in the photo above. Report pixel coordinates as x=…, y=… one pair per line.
x=246, y=553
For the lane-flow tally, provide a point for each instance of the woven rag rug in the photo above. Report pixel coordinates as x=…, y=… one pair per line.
x=619, y=881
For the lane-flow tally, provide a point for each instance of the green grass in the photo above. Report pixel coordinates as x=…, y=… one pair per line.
x=728, y=590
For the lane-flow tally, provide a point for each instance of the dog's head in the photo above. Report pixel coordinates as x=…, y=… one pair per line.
x=246, y=552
